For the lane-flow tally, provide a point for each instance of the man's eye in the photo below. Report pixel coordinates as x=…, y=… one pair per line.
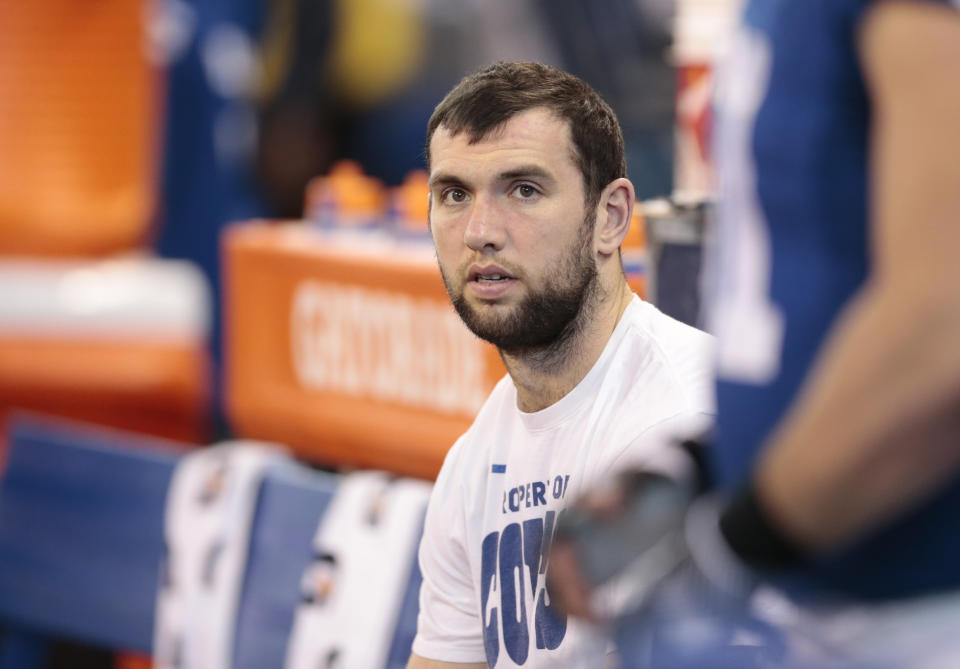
x=455, y=195
x=526, y=190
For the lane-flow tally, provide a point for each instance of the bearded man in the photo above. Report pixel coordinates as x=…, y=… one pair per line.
x=529, y=203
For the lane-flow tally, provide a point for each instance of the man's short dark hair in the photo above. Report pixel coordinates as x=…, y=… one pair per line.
x=484, y=101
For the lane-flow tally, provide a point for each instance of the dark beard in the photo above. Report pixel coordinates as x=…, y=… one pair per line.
x=547, y=320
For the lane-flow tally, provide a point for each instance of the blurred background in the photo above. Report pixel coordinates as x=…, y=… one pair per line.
x=146, y=127
x=213, y=212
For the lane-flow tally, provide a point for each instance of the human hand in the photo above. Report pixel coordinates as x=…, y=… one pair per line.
x=645, y=556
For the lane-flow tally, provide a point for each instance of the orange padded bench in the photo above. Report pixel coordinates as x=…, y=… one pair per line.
x=114, y=342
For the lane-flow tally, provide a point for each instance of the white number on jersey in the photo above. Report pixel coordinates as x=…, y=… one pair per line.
x=748, y=326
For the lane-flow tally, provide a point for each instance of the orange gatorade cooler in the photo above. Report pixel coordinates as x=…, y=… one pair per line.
x=350, y=353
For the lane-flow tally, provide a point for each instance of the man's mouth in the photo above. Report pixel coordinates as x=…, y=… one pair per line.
x=489, y=274
x=492, y=278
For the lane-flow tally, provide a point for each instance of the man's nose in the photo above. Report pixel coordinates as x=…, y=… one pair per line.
x=484, y=230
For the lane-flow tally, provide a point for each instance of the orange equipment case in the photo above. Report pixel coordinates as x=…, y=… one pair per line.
x=348, y=352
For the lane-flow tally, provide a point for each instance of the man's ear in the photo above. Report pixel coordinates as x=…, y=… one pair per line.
x=614, y=213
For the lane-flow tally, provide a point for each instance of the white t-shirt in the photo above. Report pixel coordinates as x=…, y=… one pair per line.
x=494, y=506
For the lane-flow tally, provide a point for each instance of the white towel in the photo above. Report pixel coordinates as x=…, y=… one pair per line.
x=209, y=513
x=365, y=546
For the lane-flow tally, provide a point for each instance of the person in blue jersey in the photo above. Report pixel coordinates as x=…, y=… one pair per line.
x=832, y=294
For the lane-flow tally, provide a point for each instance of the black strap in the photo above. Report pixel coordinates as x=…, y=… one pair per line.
x=755, y=537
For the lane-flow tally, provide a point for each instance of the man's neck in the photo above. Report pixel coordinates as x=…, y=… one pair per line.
x=544, y=376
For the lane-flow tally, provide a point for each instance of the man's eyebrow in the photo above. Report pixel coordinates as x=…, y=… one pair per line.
x=520, y=172
x=524, y=171
x=443, y=179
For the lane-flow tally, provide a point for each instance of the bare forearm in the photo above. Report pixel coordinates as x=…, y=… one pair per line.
x=877, y=428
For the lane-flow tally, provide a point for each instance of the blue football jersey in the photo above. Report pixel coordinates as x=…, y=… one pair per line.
x=790, y=250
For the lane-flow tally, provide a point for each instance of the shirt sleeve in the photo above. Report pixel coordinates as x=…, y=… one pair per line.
x=448, y=624
x=657, y=449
